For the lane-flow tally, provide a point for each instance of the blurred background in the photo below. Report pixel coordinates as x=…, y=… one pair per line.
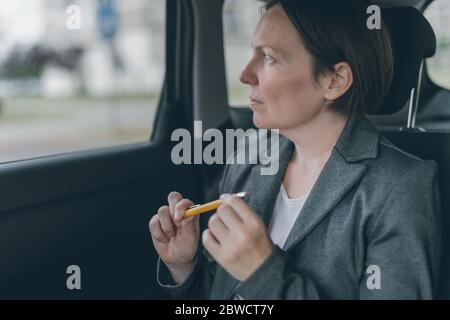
x=78, y=74
x=83, y=74
x=438, y=14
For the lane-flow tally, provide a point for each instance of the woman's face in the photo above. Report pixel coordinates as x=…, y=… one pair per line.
x=284, y=93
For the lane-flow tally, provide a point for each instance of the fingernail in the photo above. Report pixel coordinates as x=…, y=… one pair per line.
x=225, y=196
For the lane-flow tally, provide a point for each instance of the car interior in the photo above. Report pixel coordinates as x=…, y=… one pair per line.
x=92, y=208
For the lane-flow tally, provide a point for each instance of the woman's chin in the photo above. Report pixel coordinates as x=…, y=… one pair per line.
x=262, y=122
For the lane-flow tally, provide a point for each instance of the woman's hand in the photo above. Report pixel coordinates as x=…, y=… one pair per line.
x=237, y=238
x=176, y=239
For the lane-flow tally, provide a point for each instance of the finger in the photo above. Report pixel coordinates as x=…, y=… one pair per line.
x=229, y=217
x=166, y=221
x=190, y=225
x=156, y=231
x=188, y=221
x=210, y=243
x=173, y=198
x=181, y=207
x=239, y=206
x=218, y=228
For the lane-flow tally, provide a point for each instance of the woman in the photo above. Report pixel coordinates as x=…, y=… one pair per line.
x=348, y=215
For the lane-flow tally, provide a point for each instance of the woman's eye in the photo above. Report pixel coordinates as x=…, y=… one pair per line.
x=268, y=59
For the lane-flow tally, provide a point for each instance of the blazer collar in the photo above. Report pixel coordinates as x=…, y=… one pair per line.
x=358, y=141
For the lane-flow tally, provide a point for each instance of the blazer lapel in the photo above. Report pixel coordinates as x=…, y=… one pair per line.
x=263, y=192
x=358, y=141
x=335, y=180
x=264, y=189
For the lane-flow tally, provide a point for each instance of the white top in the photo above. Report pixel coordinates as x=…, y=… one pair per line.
x=285, y=212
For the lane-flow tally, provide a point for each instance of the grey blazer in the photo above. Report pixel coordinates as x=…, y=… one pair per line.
x=373, y=212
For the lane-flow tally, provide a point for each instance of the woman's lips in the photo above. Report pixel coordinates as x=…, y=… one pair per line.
x=254, y=101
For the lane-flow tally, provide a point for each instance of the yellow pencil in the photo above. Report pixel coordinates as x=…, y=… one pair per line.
x=202, y=208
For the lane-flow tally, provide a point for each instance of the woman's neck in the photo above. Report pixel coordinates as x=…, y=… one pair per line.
x=315, y=139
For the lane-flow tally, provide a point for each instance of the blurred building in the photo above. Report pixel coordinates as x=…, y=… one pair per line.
x=84, y=60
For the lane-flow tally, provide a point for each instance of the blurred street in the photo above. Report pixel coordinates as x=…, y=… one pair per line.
x=32, y=127
x=77, y=75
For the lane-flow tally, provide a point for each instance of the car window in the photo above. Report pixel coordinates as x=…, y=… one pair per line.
x=240, y=19
x=438, y=14
x=77, y=75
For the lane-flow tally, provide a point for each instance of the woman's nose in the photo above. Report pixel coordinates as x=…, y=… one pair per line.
x=248, y=76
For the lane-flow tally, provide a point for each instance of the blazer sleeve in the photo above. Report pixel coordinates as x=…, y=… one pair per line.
x=276, y=280
x=198, y=284
x=404, y=243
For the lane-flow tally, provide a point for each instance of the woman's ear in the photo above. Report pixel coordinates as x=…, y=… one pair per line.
x=339, y=81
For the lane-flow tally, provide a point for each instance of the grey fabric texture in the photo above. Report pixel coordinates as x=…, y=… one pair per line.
x=372, y=205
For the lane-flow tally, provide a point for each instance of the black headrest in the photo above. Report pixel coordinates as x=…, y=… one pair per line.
x=413, y=40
